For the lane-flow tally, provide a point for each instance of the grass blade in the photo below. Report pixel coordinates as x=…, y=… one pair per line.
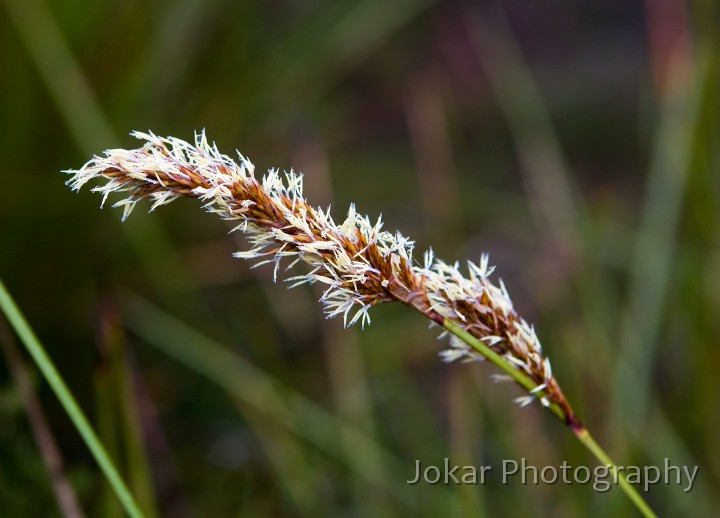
x=47, y=445
x=52, y=376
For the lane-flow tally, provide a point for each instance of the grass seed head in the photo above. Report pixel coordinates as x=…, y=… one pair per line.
x=359, y=264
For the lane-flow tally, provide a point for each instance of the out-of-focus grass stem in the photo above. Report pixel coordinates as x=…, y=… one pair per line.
x=106, y=419
x=83, y=114
x=122, y=399
x=686, y=90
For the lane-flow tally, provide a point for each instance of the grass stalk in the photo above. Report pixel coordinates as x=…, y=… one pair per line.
x=589, y=442
x=52, y=376
x=523, y=380
x=577, y=428
x=47, y=445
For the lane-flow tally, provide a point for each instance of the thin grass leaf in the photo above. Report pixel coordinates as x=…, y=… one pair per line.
x=52, y=376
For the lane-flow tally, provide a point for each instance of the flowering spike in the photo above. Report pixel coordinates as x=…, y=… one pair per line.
x=359, y=264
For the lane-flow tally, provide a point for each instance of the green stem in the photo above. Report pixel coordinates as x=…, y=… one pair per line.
x=46, y=366
x=520, y=377
x=580, y=432
x=584, y=437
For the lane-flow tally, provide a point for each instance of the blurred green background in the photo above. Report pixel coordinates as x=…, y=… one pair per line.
x=577, y=143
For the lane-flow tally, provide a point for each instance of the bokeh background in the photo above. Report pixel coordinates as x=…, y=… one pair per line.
x=576, y=142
